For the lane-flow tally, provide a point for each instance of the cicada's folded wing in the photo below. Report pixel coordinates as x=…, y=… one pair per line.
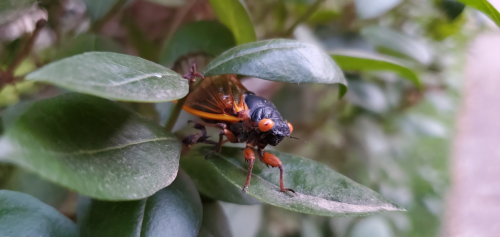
x=217, y=98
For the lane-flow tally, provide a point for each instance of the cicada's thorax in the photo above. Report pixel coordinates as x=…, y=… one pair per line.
x=260, y=108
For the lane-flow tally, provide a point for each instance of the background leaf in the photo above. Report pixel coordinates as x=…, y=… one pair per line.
x=173, y=211
x=367, y=9
x=23, y=181
x=209, y=37
x=87, y=43
x=398, y=43
x=210, y=183
x=320, y=190
x=215, y=222
x=279, y=60
x=24, y=215
x=96, y=9
x=114, y=76
x=9, y=5
x=452, y=8
x=234, y=15
x=93, y=146
x=485, y=7
x=362, y=61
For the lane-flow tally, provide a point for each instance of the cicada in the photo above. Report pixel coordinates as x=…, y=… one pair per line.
x=242, y=117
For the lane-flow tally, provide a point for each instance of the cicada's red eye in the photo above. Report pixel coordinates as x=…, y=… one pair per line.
x=290, y=127
x=265, y=125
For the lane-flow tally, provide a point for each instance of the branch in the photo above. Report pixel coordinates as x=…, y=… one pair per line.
x=98, y=24
x=310, y=11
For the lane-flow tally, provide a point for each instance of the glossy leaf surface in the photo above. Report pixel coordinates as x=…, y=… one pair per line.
x=114, y=76
x=215, y=222
x=173, y=211
x=24, y=215
x=320, y=190
x=279, y=60
x=93, y=146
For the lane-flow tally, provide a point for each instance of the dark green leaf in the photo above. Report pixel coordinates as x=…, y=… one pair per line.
x=320, y=190
x=279, y=60
x=22, y=181
x=93, y=146
x=87, y=43
x=24, y=215
x=367, y=9
x=452, y=8
x=209, y=37
x=362, y=61
x=114, y=76
x=399, y=43
x=173, y=211
x=234, y=15
x=96, y=9
x=485, y=7
x=215, y=223
x=210, y=183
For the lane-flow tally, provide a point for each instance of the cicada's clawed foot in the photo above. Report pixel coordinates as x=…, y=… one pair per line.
x=287, y=190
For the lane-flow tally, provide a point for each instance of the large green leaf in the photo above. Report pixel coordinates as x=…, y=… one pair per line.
x=485, y=7
x=93, y=146
x=173, y=211
x=210, y=183
x=320, y=190
x=362, y=61
x=279, y=60
x=398, y=43
x=114, y=76
x=209, y=37
x=215, y=223
x=234, y=15
x=24, y=215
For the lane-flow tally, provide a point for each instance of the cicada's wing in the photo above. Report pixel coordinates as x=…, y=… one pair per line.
x=217, y=98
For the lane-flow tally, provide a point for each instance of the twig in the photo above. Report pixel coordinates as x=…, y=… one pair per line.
x=8, y=76
x=310, y=11
x=178, y=18
x=98, y=24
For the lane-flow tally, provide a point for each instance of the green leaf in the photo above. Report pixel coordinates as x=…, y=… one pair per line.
x=485, y=7
x=452, y=8
x=114, y=76
x=279, y=60
x=362, y=61
x=93, y=146
x=399, y=43
x=22, y=181
x=215, y=223
x=234, y=15
x=173, y=211
x=320, y=190
x=210, y=37
x=87, y=43
x=24, y=215
x=210, y=183
x=96, y=9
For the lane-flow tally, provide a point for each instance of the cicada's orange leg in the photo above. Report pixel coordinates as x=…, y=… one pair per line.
x=249, y=158
x=273, y=161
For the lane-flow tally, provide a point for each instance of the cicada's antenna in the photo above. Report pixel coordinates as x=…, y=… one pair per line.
x=298, y=139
